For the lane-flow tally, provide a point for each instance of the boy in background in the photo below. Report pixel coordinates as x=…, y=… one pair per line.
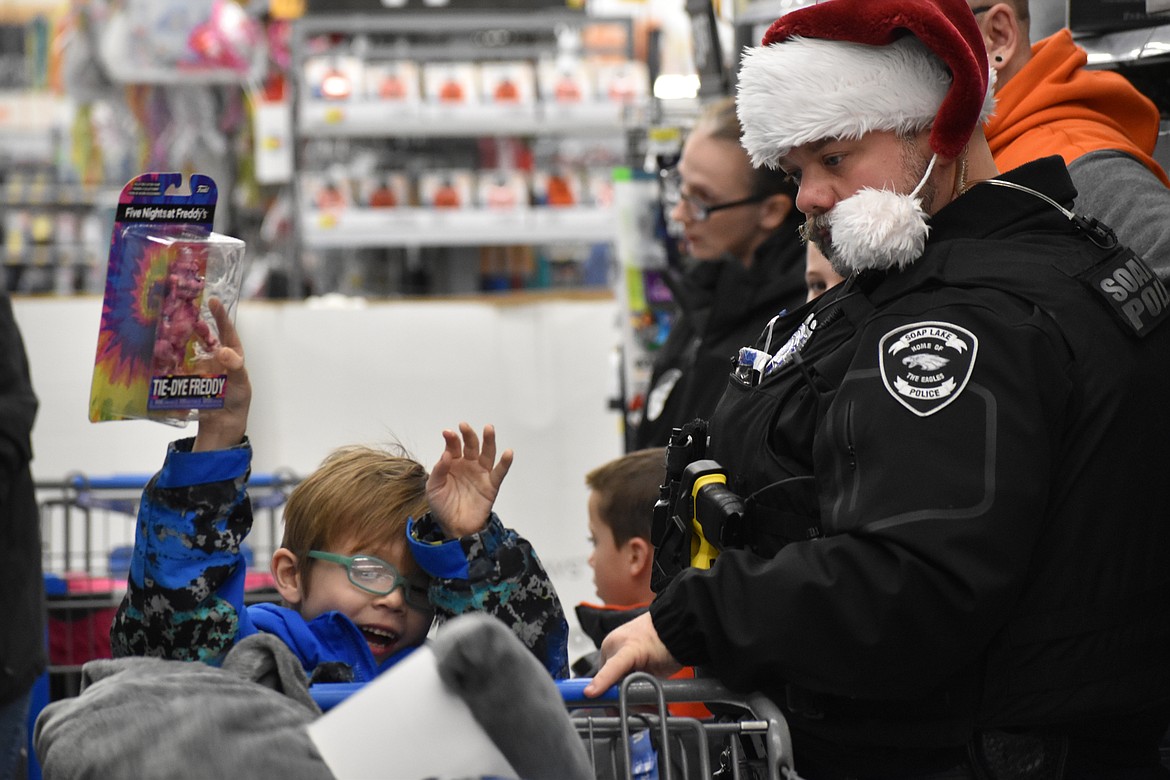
x=622, y=494
x=364, y=568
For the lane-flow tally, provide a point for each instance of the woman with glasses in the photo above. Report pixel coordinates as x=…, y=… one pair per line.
x=744, y=263
x=374, y=550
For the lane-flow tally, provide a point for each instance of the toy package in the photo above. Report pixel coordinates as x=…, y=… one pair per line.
x=446, y=189
x=156, y=330
x=450, y=83
x=507, y=83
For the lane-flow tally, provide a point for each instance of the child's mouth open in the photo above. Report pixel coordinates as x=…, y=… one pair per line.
x=381, y=641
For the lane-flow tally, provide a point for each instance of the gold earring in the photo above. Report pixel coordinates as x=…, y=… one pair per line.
x=961, y=183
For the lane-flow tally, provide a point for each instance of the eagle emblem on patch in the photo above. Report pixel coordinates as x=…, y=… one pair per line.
x=926, y=365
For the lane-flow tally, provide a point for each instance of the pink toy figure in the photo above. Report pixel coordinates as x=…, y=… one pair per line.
x=179, y=318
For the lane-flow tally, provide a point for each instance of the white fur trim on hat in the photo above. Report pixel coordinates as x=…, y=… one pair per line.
x=810, y=89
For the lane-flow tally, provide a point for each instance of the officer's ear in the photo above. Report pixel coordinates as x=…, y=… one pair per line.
x=774, y=210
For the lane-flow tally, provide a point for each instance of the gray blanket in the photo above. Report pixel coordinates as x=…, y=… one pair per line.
x=151, y=718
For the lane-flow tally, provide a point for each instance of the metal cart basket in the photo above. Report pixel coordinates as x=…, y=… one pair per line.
x=745, y=737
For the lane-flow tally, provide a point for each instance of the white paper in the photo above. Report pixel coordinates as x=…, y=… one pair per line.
x=406, y=725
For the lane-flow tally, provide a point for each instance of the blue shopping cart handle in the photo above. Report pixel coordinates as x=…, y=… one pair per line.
x=138, y=481
x=574, y=690
x=329, y=695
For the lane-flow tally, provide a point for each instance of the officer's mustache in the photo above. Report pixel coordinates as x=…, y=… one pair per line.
x=816, y=229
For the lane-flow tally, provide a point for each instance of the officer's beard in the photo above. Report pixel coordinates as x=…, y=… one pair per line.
x=819, y=230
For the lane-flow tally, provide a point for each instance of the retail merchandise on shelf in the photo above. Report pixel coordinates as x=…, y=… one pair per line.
x=92, y=93
x=435, y=140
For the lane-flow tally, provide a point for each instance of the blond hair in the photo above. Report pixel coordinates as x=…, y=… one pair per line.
x=719, y=119
x=361, y=496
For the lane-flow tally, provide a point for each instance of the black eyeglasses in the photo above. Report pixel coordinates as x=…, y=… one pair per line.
x=374, y=575
x=982, y=9
x=670, y=183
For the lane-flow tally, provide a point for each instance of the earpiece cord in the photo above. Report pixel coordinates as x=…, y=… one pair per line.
x=1099, y=234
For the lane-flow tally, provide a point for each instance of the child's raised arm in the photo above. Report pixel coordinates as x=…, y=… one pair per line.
x=463, y=485
x=477, y=563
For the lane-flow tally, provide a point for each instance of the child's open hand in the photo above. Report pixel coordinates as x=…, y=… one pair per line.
x=223, y=428
x=464, y=483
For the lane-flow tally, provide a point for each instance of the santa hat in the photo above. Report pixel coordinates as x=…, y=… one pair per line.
x=843, y=68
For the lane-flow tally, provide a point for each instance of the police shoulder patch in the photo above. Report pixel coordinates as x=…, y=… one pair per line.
x=1131, y=291
x=926, y=365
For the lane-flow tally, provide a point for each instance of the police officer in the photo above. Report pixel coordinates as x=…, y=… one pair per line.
x=974, y=424
x=744, y=264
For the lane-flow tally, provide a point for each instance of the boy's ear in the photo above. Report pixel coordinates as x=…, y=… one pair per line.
x=641, y=555
x=286, y=576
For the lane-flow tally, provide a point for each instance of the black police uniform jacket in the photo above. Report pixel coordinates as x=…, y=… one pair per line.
x=722, y=306
x=990, y=444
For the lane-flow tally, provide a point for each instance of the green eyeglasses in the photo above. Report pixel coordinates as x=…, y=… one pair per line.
x=376, y=576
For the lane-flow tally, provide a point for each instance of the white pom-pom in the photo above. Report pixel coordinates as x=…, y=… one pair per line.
x=878, y=229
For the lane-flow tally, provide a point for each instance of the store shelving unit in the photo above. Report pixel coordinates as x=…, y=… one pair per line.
x=52, y=232
x=435, y=130
x=65, y=152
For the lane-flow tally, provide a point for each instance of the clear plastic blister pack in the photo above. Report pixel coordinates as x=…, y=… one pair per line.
x=157, y=334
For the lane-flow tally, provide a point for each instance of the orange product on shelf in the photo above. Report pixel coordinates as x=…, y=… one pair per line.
x=506, y=91
x=383, y=198
x=451, y=91
x=558, y=192
x=445, y=197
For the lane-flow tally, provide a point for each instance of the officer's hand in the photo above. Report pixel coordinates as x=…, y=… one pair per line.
x=631, y=648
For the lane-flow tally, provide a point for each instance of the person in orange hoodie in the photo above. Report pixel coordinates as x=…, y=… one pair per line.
x=1048, y=102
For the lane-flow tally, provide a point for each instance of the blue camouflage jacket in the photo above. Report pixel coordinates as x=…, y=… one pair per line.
x=185, y=591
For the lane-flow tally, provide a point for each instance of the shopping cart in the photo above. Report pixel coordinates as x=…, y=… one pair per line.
x=87, y=535
x=745, y=737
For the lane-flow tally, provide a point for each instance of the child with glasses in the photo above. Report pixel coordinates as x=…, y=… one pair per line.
x=374, y=551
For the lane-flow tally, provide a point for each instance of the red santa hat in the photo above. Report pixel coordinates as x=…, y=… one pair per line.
x=843, y=68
